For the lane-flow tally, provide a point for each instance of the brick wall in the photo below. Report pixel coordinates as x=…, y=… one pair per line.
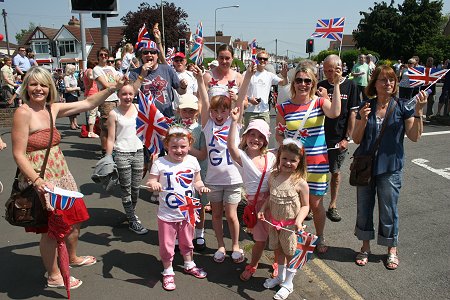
x=6, y=116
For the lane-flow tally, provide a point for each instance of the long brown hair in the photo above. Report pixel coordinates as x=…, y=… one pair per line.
x=300, y=172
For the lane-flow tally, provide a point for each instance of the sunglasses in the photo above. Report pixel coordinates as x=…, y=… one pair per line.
x=103, y=55
x=306, y=81
x=178, y=60
x=145, y=52
x=262, y=58
x=110, y=61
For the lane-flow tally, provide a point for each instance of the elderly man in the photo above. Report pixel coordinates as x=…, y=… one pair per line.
x=259, y=90
x=338, y=130
x=21, y=62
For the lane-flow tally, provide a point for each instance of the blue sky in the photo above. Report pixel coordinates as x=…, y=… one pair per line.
x=291, y=22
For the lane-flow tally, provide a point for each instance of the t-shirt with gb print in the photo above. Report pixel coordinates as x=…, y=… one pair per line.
x=177, y=180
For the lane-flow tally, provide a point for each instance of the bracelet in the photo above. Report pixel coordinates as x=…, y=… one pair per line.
x=141, y=78
x=34, y=181
x=417, y=117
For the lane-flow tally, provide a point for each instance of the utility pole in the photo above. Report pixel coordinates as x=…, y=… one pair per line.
x=6, y=30
x=276, y=50
x=83, y=42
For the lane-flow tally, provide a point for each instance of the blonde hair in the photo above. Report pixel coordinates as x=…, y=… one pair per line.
x=178, y=134
x=300, y=171
x=243, y=144
x=70, y=69
x=126, y=49
x=311, y=75
x=43, y=77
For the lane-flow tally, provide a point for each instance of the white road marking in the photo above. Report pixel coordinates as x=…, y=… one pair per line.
x=441, y=172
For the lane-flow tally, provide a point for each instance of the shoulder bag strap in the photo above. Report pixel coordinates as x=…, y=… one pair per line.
x=305, y=118
x=383, y=127
x=44, y=164
x=262, y=178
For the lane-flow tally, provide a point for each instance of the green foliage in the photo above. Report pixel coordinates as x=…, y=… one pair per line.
x=400, y=32
x=175, y=25
x=23, y=32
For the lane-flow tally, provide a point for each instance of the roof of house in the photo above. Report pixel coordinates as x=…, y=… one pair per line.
x=115, y=35
x=76, y=32
x=347, y=40
x=220, y=39
x=11, y=45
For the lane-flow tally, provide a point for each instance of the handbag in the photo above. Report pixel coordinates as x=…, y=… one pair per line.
x=24, y=208
x=361, y=166
x=249, y=217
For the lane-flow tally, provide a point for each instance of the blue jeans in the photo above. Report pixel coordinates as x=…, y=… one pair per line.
x=387, y=186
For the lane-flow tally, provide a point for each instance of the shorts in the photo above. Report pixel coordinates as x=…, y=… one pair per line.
x=230, y=194
x=104, y=110
x=336, y=159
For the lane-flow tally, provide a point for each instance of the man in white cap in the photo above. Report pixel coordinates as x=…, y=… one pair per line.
x=213, y=64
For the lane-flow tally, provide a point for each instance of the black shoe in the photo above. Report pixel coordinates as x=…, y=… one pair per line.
x=199, y=247
x=333, y=215
x=309, y=217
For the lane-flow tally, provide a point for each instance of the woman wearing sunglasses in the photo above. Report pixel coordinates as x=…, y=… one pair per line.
x=290, y=115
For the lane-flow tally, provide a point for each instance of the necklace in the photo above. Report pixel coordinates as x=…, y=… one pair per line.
x=383, y=106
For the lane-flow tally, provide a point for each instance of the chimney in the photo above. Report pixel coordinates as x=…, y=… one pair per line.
x=74, y=21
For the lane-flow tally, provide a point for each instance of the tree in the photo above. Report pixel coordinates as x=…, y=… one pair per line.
x=378, y=30
x=175, y=25
x=23, y=32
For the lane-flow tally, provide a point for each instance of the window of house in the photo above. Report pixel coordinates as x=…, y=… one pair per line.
x=41, y=47
x=69, y=46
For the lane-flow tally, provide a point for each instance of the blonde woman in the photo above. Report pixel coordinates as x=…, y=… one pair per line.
x=127, y=58
x=71, y=92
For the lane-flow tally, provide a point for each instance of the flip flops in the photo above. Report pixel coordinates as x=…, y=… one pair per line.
x=362, y=258
x=248, y=273
x=238, y=256
x=392, y=261
x=86, y=262
x=74, y=283
x=219, y=257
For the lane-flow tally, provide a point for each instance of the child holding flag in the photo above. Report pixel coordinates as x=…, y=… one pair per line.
x=176, y=177
x=288, y=206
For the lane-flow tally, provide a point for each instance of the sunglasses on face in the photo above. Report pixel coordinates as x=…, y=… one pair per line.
x=262, y=58
x=110, y=61
x=146, y=52
x=178, y=60
x=103, y=55
x=306, y=81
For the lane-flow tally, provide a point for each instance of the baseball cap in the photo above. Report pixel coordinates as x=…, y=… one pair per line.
x=188, y=101
x=179, y=54
x=261, y=126
x=214, y=63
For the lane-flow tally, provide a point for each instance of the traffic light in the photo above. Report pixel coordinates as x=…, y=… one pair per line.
x=182, y=45
x=53, y=49
x=309, y=45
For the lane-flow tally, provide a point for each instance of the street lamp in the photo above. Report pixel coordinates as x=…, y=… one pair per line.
x=215, y=25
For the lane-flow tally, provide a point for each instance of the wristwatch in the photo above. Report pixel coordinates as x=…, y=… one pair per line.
x=347, y=138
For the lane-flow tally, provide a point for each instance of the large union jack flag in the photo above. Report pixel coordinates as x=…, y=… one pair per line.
x=421, y=75
x=197, y=49
x=151, y=124
x=306, y=243
x=330, y=29
x=189, y=207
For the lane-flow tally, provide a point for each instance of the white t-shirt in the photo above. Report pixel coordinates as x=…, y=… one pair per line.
x=109, y=73
x=174, y=178
x=126, y=138
x=251, y=175
x=221, y=169
x=191, y=88
x=259, y=87
x=126, y=60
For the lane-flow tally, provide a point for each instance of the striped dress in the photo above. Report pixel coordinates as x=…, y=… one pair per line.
x=313, y=139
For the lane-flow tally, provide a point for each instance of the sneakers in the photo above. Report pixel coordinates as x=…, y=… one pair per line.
x=169, y=282
x=333, y=215
x=137, y=228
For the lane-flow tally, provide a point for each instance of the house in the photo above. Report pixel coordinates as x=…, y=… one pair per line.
x=348, y=43
x=240, y=48
x=4, y=48
x=67, y=40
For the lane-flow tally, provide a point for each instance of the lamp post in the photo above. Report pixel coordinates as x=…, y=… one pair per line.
x=215, y=25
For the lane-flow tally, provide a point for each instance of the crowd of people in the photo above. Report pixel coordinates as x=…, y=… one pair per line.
x=217, y=150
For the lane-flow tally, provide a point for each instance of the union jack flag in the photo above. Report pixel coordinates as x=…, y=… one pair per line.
x=197, y=49
x=306, y=243
x=221, y=134
x=330, y=29
x=184, y=178
x=170, y=55
x=281, y=128
x=62, y=202
x=189, y=207
x=253, y=51
x=142, y=36
x=151, y=124
x=421, y=75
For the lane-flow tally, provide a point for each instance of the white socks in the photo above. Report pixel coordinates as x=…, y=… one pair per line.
x=189, y=265
x=199, y=232
x=168, y=271
x=290, y=273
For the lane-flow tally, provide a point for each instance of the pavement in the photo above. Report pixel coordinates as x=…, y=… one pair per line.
x=128, y=264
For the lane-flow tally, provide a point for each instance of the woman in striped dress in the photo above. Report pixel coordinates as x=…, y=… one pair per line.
x=290, y=115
